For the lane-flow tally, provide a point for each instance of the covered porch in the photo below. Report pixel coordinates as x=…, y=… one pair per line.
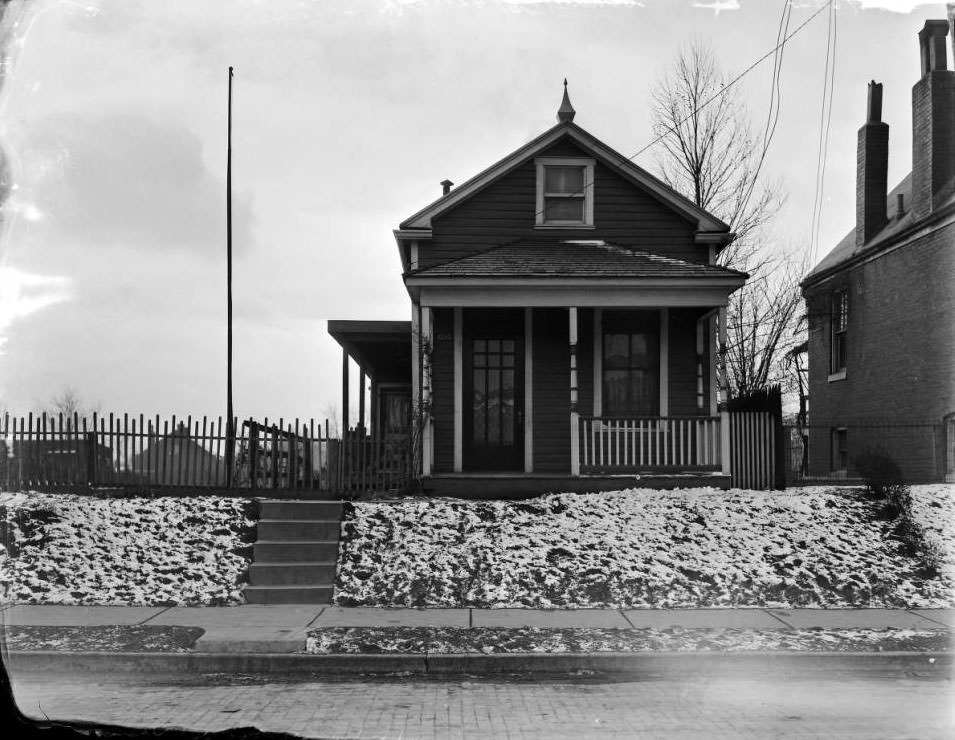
x=543, y=398
x=376, y=452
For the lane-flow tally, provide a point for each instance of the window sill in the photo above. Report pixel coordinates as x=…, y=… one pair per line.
x=841, y=375
x=564, y=226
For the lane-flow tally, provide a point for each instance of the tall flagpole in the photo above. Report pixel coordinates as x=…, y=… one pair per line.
x=230, y=422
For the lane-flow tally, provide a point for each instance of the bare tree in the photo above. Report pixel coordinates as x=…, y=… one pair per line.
x=69, y=402
x=709, y=153
x=763, y=323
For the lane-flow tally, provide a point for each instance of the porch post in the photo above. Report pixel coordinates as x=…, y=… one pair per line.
x=528, y=389
x=458, y=390
x=427, y=437
x=343, y=461
x=714, y=374
x=598, y=356
x=574, y=417
x=344, y=393
x=361, y=400
x=724, y=397
x=701, y=325
x=664, y=362
x=374, y=411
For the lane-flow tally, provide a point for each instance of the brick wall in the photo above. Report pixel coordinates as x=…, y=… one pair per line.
x=900, y=365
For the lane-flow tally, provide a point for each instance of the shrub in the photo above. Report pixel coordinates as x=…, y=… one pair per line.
x=884, y=480
x=882, y=476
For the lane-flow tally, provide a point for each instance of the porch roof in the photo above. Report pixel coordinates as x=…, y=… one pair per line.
x=572, y=258
x=382, y=349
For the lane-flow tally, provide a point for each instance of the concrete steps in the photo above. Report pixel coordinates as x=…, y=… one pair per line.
x=295, y=555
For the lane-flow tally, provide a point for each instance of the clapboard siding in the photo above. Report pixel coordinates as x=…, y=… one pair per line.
x=442, y=383
x=505, y=211
x=551, y=388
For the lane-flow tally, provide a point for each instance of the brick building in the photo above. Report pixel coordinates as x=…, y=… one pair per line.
x=881, y=304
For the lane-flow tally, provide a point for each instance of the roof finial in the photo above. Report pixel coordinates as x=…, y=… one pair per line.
x=566, y=112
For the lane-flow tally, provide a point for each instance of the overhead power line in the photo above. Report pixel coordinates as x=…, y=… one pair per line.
x=725, y=89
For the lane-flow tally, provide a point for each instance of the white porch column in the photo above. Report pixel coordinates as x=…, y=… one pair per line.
x=598, y=356
x=427, y=435
x=714, y=374
x=574, y=416
x=458, y=390
x=664, y=362
x=724, y=397
x=701, y=325
x=528, y=390
x=416, y=375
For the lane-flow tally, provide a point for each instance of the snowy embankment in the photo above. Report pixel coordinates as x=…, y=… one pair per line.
x=933, y=509
x=808, y=547
x=66, y=549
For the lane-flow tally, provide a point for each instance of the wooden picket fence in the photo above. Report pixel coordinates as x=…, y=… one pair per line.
x=44, y=451
x=756, y=450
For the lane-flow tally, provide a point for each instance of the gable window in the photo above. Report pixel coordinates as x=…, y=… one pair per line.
x=838, y=323
x=631, y=363
x=565, y=193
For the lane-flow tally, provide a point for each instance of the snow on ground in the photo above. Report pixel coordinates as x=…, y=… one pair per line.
x=68, y=549
x=809, y=547
x=444, y=640
x=934, y=511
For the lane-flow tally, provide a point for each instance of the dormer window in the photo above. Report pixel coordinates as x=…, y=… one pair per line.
x=565, y=192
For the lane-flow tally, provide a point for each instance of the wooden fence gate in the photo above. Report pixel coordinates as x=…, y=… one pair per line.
x=755, y=449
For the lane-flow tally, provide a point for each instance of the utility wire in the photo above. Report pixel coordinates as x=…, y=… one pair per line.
x=825, y=121
x=775, y=99
x=722, y=92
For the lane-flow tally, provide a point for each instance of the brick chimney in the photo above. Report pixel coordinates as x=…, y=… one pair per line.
x=933, y=122
x=872, y=169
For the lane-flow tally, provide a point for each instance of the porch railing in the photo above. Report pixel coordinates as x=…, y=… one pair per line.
x=676, y=442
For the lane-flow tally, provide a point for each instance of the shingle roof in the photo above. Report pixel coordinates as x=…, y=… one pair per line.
x=572, y=259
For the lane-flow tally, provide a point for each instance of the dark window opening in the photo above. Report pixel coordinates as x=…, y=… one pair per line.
x=839, y=323
x=631, y=363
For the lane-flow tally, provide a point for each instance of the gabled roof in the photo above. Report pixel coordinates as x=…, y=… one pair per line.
x=571, y=258
x=705, y=221
x=847, y=250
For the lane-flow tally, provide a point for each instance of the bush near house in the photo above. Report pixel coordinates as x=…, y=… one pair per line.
x=884, y=482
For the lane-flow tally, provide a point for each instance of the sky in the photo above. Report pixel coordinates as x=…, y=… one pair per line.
x=346, y=117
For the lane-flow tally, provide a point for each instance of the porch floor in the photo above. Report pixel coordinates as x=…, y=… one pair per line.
x=527, y=485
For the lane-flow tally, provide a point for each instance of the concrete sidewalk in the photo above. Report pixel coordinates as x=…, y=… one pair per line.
x=270, y=640
x=282, y=629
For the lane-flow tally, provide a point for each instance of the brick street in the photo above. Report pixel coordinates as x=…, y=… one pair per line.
x=832, y=707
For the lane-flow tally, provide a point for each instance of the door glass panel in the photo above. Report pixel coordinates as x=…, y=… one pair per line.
x=493, y=407
x=479, y=403
x=507, y=407
x=494, y=392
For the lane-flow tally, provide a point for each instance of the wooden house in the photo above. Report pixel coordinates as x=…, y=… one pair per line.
x=881, y=303
x=566, y=307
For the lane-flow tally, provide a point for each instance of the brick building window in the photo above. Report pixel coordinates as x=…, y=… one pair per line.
x=565, y=192
x=838, y=323
x=840, y=451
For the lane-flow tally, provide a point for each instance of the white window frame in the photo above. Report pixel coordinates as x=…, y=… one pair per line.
x=588, y=194
x=838, y=336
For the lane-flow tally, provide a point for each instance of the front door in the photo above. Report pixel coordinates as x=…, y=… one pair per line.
x=493, y=390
